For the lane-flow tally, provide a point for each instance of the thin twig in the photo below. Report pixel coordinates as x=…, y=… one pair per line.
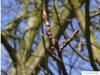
x=67, y=41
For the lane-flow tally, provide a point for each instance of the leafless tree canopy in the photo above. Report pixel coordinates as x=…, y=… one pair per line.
x=50, y=37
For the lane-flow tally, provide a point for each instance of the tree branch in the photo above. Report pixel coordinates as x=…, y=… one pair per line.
x=9, y=49
x=87, y=35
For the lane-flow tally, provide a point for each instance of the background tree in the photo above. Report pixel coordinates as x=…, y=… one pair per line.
x=42, y=37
